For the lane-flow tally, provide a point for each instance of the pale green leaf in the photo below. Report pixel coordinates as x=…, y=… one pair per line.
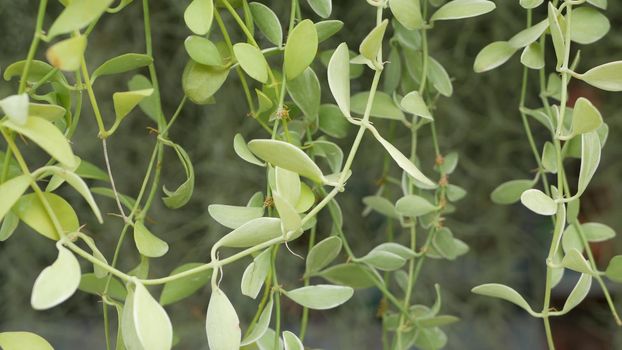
x=16, y=108
x=184, y=287
x=77, y=15
x=533, y=56
x=80, y=186
x=383, y=260
x=261, y=326
x=180, y=196
x=321, y=296
x=439, y=77
x=199, y=16
x=255, y=274
x=372, y=44
x=252, y=61
x=549, y=158
x=121, y=64
x=383, y=106
x=22, y=341
x=353, y=275
x=585, y=117
x=414, y=206
x=11, y=191
x=588, y=25
x=557, y=35
x=322, y=254
x=300, y=49
x=503, y=292
x=90, y=283
x=203, y=51
x=381, y=205
x=290, y=220
x=287, y=185
x=290, y=340
x=530, y=4
x=323, y=8
x=326, y=29
x=8, y=226
x=605, y=77
x=457, y=9
x=47, y=136
x=57, y=282
x=339, y=78
x=241, y=149
x=252, y=233
x=407, y=12
x=590, y=158
x=575, y=261
x=286, y=156
x=614, y=269
x=200, y=82
x=32, y=212
x=578, y=294
x=493, y=55
x=527, y=36
x=413, y=103
x=125, y=101
x=153, y=326
x=222, y=324
x=234, y=216
x=305, y=91
x=147, y=243
x=538, y=202
x=510, y=192
x=49, y=112
x=268, y=22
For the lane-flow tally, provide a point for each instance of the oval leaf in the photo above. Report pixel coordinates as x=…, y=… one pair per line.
x=222, y=324
x=57, y=282
x=321, y=296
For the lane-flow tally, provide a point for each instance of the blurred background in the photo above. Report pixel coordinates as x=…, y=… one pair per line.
x=480, y=122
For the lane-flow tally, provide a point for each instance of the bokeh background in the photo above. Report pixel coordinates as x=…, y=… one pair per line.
x=480, y=122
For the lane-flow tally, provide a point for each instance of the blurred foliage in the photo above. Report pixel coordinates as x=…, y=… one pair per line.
x=480, y=122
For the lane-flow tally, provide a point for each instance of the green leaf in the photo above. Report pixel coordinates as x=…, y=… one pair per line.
x=200, y=82
x=381, y=205
x=233, y=216
x=605, y=77
x=330, y=151
x=445, y=244
x=326, y=29
x=493, y=55
x=80, y=186
x=433, y=338
x=322, y=254
x=49, y=112
x=32, y=212
x=533, y=56
x=588, y=25
x=8, y=226
x=11, y=191
x=501, y=291
x=538, y=202
x=181, y=196
x=47, y=136
x=408, y=13
x=383, y=106
x=149, y=105
x=261, y=326
x=290, y=220
x=306, y=92
x=252, y=233
x=457, y=9
x=602, y=4
x=184, y=287
x=152, y=324
x=401, y=160
x=121, y=64
x=90, y=283
x=439, y=77
x=203, y=51
x=414, y=206
x=383, y=260
x=323, y=8
x=16, y=108
x=528, y=36
x=300, y=49
x=128, y=329
x=585, y=117
x=590, y=158
x=286, y=156
x=332, y=122
x=306, y=200
x=147, y=243
x=413, y=103
x=372, y=44
x=255, y=274
x=353, y=275
x=57, y=282
x=290, y=340
x=530, y=4
x=510, y=192
x=252, y=61
x=199, y=16
x=614, y=269
x=579, y=292
x=77, y=15
x=549, y=158
x=241, y=149
x=339, y=78
x=575, y=261
x=287, y=185
x=125, y=101
x=268, y=22
x=321, y=296
x=222, y=324
x=557, y=35
x=437, y=321
x=597, y=232
x=23, y=340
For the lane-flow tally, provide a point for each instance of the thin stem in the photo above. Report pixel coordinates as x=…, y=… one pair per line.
x=34, y=44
